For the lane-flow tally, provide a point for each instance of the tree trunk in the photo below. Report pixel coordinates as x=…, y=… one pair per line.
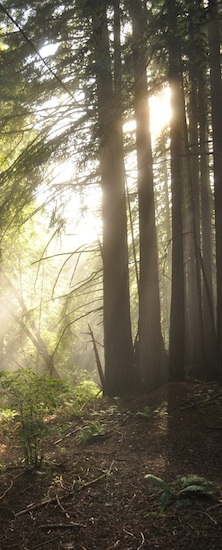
x=216, y=114
x=118, y=347
x=195, y=312
x=177, y=314
x=151, y=348
x=206, y=226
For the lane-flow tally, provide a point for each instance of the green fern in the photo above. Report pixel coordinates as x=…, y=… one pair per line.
x=165, y=495
x=193, y=484
x=159, y=482
x=186, y=486
x=147, y=412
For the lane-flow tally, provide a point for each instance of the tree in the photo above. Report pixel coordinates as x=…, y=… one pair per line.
x=216, y=117
x=118, y=345
x=71, y=104
x=201, y=316
x=150, y=342
x=177, y=314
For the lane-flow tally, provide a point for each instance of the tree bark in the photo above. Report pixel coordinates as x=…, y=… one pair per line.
x=118, y=346
x=177, y=313
x=216, y=116
x=151, y=348
x=206, y=231
x=195, y=325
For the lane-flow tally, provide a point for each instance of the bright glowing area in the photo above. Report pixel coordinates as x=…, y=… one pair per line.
x=48, y=50
x=85, y=222
x=81, y=204
x=160, y=111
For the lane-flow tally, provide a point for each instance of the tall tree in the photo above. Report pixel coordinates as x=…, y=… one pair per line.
x=216, y=116
x=206, y=227
x=177, y=314
x=118, y=345
x=151, y=349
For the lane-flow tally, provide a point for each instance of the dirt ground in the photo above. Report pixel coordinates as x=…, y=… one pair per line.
x=92, y=493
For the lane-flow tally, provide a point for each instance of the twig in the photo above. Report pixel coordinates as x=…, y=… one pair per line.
x=7, y=490
x=129, y=533
x=204, y=402
x=142, y=543
x=67, y=435
x=97, y=357
x=41, y=544
x=53, y=500
x=10, y=485
x=216, y=505
x=214, y=427
x=62, y=508
x=206, y=514
x=61, y=525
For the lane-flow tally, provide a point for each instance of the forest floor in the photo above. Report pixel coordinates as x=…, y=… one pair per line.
x=92, y=493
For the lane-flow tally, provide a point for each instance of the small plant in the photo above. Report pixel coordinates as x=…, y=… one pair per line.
x=31, y=397
x=7, y=414
x=79, y=396
x=185, y=487
x=195, y=485
x=150, y=413
x=110, y=413
x=165, y=491
x=89, y=431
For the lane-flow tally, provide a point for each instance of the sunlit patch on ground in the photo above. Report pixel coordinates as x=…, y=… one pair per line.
x=3, y=449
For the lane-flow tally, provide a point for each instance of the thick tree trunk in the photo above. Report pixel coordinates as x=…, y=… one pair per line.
x=151, y=348
x=118, y=345
x=177, y=314
x=206, y=226
x=195, y=324
x=216, y=113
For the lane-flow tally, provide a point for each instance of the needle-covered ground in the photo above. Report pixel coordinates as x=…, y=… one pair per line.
x=92, y=494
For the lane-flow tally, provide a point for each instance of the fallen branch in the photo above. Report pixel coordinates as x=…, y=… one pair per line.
x=67, y=435
x=98, y=362
x=192, y=404
x=61, y=525
x=10, y=485
x=53, y=500
x=142, y=543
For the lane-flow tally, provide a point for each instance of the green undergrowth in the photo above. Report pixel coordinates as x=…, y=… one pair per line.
x=185, y=489
x=29, y=400
x=150, y=413
x=90, y=430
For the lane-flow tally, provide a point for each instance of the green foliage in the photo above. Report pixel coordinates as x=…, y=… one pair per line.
x=31, y=397
x=150, y=413
x=147, y=412
x=193, y=484
x=185, y=487
x=86, y=391
x=79, y=397
x=165, y=492
x=7, y=414
x=90, y=430
x=111, y=412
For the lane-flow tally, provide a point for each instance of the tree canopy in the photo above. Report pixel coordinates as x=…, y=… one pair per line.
x=77, y=150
